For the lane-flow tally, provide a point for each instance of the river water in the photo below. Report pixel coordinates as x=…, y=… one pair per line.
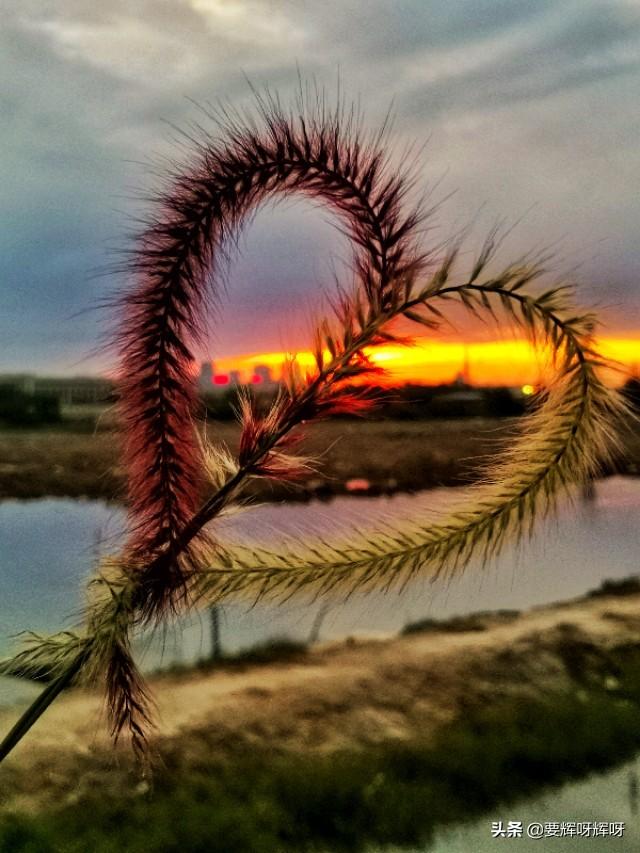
x=48, y=547
x=608, y=798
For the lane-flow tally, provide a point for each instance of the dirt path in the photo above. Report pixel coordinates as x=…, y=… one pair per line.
x=337, y=696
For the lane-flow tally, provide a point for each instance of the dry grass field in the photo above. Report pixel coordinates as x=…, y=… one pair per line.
x=80, y=460
x=390, y=454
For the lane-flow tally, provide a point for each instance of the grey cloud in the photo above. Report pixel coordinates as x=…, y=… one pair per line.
x=523, y=100
x=573, y=50
x=377, y=31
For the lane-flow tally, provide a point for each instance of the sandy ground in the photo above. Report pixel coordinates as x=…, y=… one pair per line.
x=343, y=695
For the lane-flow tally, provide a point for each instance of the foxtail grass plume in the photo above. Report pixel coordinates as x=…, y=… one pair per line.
x=178, y=484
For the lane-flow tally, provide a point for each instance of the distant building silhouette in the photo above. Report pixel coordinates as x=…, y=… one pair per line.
x=210, y=380
x=73, y=389
x=261, y=375
x=24, y=382
x=262, y=380
x=463, y=379
x=205, y=380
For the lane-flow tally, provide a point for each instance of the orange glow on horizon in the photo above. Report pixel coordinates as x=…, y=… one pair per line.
x=511, y=363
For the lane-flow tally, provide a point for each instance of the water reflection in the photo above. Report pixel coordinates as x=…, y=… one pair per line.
x=48, y=546
x=608, y=798
x=633, y=791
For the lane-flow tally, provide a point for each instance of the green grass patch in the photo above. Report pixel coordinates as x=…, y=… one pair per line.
x=273, y=651
x=460, y=624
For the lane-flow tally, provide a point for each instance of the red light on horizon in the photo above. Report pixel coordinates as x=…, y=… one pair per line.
x=220, y=379
x=256, y=379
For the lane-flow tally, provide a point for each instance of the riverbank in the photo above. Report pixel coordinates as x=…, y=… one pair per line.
x=343, y=745
x=354, y=457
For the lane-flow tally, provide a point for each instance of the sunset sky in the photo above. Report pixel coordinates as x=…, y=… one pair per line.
x=529, y=112
x=502, y=362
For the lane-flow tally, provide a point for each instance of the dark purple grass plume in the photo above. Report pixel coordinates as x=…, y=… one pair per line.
x=176, y=265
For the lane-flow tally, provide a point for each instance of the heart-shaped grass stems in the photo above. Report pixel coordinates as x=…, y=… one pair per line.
x=567, y=441
x=171, y=560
